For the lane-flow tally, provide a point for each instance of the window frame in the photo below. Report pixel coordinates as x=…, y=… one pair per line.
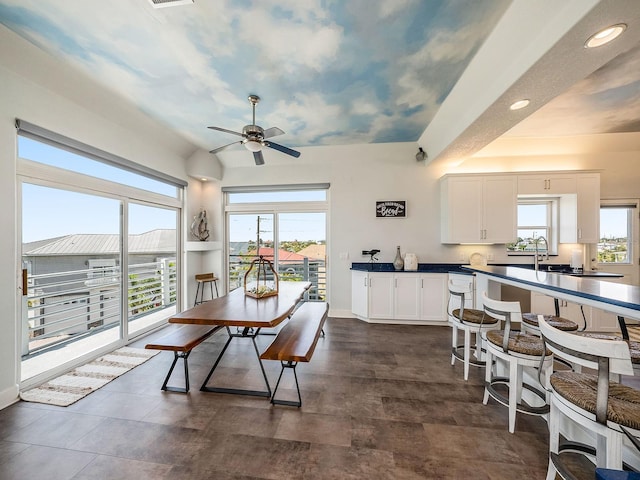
x=632, y=212
x=551, y=231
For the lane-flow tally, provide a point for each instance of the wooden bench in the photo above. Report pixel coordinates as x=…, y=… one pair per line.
x=181, y=339
x=296, y=342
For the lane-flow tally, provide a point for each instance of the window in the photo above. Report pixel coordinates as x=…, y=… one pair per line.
x=535, y=220
x=615, y=245
x=284, y=224
x=88, y=287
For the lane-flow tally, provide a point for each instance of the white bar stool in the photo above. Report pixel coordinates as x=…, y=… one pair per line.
x=518, y=351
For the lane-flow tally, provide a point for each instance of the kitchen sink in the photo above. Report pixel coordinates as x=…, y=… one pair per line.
x=580, y=273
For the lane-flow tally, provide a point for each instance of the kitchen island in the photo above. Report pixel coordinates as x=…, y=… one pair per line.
x=619, y=299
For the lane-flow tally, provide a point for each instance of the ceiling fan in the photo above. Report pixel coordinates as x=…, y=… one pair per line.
x=254, y=137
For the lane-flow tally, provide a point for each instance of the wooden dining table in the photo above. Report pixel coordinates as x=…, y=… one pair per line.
x=248, y=315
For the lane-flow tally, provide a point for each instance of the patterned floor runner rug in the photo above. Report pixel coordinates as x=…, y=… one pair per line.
x=76, y=384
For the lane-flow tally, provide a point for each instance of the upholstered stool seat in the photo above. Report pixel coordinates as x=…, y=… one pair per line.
x=581, y=389
x=564, y=324
x=523, y=343
x=473, y=317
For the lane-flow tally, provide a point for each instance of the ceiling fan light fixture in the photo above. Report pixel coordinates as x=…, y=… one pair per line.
x=520, y=104
x=253, y=145
x=605, y=35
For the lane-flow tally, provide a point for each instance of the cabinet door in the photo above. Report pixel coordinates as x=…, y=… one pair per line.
x=359, y=293
x=407, y=296
x=603, y=321
x=546, y=184
x=381, y=292
x=462, y=210
x=500, y=202
x=433, y=305
x=545, y=305
x=588, y=187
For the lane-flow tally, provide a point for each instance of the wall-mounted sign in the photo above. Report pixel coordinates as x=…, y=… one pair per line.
x=391, y=208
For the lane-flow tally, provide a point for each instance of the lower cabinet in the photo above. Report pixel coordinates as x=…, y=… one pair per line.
x=406, y=296
x=597, y=320
x=541, y=303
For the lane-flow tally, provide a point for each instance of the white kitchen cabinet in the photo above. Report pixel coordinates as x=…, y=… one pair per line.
x=546, y=184
x=579, y=195
x=381, y=293
x=603, y=321
x=588, y=214
x=403, y=296
x=407, y=294
x=433, y=297
x=478, y=208
x=544, y=304
x=360, y=293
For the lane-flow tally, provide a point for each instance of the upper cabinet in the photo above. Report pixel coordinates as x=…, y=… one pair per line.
x=483, y=208
x=588, y=214
x=579, y=194
x=478, y=208
x=546, y=184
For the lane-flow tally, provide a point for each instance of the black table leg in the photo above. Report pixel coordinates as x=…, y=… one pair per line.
x=245, y=333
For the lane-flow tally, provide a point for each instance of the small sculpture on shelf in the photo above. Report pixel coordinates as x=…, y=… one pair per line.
x=261, y=280
x=199, y=226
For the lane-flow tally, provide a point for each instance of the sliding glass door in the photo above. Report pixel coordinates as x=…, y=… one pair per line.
x=99, y=256
x=71, y=257
x=152, y=265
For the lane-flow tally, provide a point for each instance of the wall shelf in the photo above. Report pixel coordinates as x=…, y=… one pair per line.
x=202, y=246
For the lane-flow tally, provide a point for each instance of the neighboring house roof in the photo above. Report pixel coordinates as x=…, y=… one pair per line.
x=236, y=247
x=155, y=241
x=316, y=252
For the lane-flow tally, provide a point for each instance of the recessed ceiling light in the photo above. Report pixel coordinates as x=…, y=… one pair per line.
x=203, y=179
x=605, y=36
x=519, y=104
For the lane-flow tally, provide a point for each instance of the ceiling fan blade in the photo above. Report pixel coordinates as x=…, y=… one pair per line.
x=216, y=150
x=257, y=156
x=272, y=132
x=283, y=149
x=226, y=131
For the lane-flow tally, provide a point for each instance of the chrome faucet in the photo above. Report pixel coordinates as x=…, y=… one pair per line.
x=536, y=258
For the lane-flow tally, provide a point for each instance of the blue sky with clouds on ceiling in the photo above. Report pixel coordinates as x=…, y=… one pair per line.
x=328, y=72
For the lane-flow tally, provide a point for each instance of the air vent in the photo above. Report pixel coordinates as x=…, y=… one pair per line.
x=169, y=3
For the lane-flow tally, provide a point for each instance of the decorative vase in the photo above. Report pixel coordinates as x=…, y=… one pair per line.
x=261, y=280
x=398, y=263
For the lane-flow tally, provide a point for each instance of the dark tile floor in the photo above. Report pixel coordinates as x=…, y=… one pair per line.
x=379, y=402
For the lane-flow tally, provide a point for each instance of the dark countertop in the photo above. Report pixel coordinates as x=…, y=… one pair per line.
x=422, y=268
x=619, y=294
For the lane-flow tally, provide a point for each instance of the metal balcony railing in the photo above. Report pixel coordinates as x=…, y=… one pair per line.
x=63, y=306
x=307, y=270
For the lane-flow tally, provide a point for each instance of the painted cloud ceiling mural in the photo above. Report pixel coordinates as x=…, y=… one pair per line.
x=328, y=71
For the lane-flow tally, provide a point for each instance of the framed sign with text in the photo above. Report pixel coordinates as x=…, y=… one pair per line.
x=391, y=209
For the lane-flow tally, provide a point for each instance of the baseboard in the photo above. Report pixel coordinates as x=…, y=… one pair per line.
x=340, y=313
x=9, y=396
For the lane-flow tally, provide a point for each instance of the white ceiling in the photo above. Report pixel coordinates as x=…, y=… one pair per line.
x=437, y=72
